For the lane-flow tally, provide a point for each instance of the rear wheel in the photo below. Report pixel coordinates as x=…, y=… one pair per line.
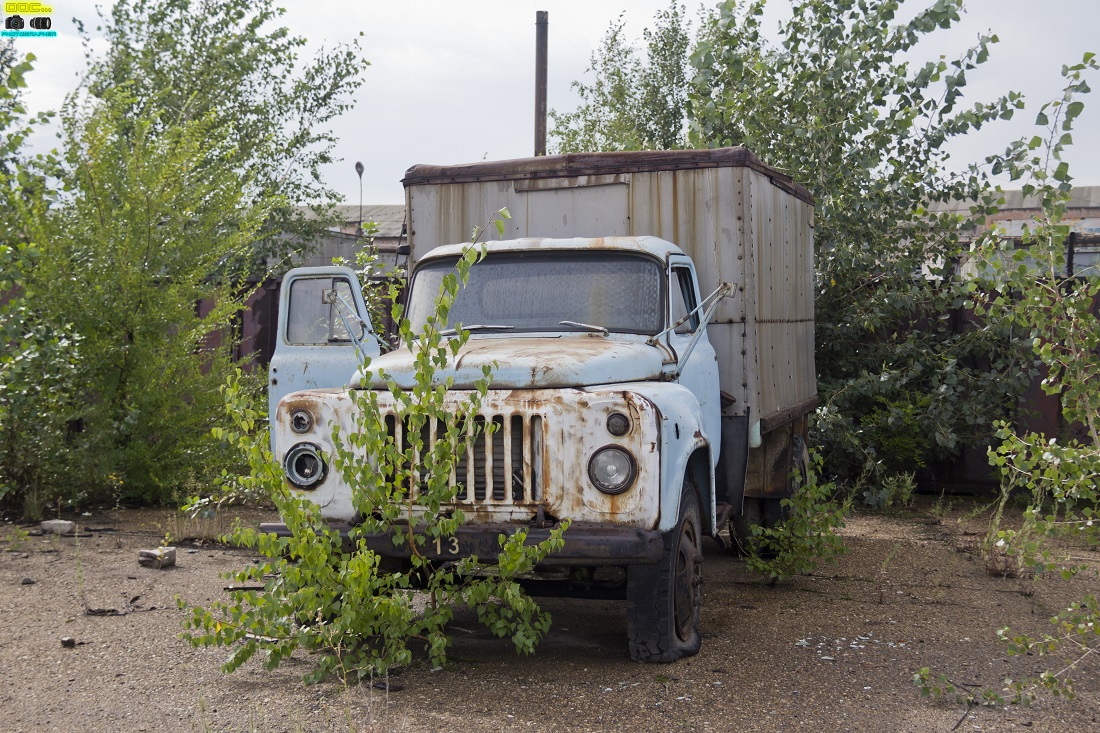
x=756, y=512
x=769, y=512
x=664, y=601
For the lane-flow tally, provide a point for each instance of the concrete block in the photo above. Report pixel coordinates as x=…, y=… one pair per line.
x=160, y=558
x=59, y=526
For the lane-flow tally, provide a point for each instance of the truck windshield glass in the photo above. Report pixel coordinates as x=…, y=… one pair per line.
x=521, y=291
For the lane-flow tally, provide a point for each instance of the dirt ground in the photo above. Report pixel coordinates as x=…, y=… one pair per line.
x=835, y=651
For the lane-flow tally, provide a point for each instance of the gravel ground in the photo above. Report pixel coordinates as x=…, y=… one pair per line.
x=834, y=651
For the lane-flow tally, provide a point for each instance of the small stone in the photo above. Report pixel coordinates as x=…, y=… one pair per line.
x=160, y=558
x=59, y=526
x=28, y=581
x=68, y=642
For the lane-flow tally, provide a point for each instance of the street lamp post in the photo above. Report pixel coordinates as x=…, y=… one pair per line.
x=359, y=169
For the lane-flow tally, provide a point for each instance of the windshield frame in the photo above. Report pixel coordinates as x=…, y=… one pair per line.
x=534, y=256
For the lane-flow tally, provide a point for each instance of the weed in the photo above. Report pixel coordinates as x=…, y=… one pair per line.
x=889, y=558
x=942, y=506
x=807, y=536
x=18, y=539
x=1077, y=630
x=894, y=490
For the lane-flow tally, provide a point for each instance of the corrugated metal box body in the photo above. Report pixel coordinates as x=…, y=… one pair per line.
x=740, y=221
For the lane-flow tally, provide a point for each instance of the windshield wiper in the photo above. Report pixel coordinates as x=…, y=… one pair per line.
x=476, y=327
x=586, y=326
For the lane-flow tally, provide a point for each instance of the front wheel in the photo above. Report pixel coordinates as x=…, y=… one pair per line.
x=664, y=601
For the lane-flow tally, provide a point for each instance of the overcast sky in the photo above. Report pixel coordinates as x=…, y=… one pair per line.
x=453, y=81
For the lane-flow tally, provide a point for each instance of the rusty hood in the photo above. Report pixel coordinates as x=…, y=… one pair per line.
x=529, y=363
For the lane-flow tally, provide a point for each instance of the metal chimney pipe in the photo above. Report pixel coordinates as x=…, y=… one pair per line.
x=542, y=24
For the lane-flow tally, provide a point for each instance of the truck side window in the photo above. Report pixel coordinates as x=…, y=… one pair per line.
x=682, y=298
x=310, y=320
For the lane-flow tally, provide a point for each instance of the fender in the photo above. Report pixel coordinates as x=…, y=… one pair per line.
x=683, y=431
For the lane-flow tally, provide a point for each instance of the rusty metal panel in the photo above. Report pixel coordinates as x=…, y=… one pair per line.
x=447, y=214
x=782, y=260
x=700, y=210
x=786, y=365
x=595, y=164
x=547, y=184
x=537, y=458
x=771, y=466
x=754, y=226
x=586, y=544
x=440, y=214
x=600, y=211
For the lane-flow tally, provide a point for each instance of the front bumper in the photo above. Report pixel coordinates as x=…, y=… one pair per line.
x=586, y=543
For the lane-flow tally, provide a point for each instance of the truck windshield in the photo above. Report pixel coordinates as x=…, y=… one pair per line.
x=524, y=291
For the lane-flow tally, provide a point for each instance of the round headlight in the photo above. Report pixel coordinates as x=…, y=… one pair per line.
x=612, y=470
x=301, y=421
x=618, y=424
x=304, y=467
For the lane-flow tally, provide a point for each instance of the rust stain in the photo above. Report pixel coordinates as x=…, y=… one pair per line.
x=614, y=502
x=572, y=425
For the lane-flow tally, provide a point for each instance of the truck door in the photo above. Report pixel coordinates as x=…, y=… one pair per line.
x=314, y=349
x=700, y=372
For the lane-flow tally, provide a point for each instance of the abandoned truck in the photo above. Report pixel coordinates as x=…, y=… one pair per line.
x=650, y=319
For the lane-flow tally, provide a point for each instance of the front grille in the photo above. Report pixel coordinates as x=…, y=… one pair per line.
x=501, y=465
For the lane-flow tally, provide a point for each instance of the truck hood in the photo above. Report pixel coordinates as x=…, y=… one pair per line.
x=531, y=363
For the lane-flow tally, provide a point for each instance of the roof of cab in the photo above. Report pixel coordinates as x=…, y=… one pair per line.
x=654, y=246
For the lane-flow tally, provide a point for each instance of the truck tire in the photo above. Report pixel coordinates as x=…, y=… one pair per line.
x=664, y=601
x=755, y=512
x=768, y=512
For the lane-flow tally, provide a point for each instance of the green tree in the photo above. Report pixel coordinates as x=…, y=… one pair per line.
x=137, y=256
x=229, y=63
x=38, y=360
x=864, y=128
x=188, y=151
x=1028, y=287
x=1055, y=477
x=835, y=104
x=635, y=102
